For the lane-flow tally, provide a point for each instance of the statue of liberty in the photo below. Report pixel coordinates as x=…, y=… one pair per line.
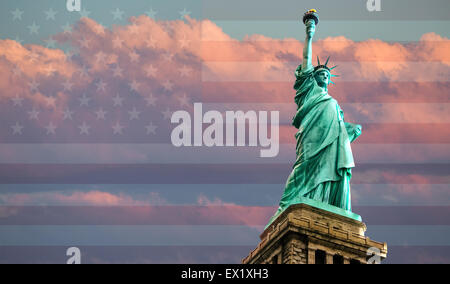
x=322, y=170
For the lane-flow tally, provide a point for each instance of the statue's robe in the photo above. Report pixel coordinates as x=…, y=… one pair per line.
x=322, y=170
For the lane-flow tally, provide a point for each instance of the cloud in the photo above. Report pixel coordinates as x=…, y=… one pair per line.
x=201, y=46
x=169, y=46
x=78, y=198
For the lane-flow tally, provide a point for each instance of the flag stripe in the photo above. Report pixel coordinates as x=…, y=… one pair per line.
x=361, y=112
x=188, y=215
x=362, y=71
x=328, y=10
x=189, y=254
x=373, y=133
x=209, y=235
x=220, y=194
x=291, y=49
x=169, y=154
x=344, y=92
x=388, y=31
x=217, y=174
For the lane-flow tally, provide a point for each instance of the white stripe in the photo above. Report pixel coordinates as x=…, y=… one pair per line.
x=354, y=30
x=369, y=71
x=168, y=154
x=354, y=112
x=238, y=194
x=194, y=235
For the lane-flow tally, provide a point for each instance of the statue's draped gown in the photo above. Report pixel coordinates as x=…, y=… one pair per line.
x=322, y=170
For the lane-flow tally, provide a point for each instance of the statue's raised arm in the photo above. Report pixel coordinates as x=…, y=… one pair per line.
x=310, y=19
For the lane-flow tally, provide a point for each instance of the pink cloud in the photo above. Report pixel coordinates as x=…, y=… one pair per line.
x=77, y=198
x=170, y=45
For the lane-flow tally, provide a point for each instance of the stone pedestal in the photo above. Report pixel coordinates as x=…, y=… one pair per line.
x=304, y=234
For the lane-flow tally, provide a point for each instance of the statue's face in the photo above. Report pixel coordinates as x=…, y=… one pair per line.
x=322, y=78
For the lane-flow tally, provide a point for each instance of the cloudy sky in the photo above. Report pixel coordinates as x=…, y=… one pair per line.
x=86, y=98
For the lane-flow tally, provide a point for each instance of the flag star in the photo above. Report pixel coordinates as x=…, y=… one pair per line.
x=151, y=43
x=185, y=71
x=69, y=54
x=84, y=128
x=118, y=14
x=168, y=56
x=167, y=114
x=84, y=42
x=67, y=114
x=17, y=129
x=134, y=29
x=101, y=114
x=67, y=85
x=99, y=29
x=118, y=71
x=16, y=71
x=84, y=71
x=117, y=42
x=151, y=128
x=17, y=14
x=33, y=56
x=184, y=101
x=17, y=100
x=34, y=86
x=134, y=56
x=168, y=86
x=118, y=128
x=17, y=39
x=113, y=58
x=67, y=28
x=50, y=71
x=51, y=14
x=51, y=43
x=118, y=100
x=51, y=102
x=101, y=86
x=150, y=99
x=84, y=101
x=34, y=29
x=151, y=13
x=134, y=114
x=100, y=57
x=184, y=13
x=150, y=71
x=84, y=13
x=33, y=114
x=51, y=128
x=134, y=86
x=184, y=42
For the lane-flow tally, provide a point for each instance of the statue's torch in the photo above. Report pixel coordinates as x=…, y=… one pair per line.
x=311, y=20
x=311, y=15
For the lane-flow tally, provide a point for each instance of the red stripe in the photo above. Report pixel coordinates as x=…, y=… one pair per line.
x=389, y=133
x=288, y=51
x=189, y=254
x=344, y=92
x=208, y=174
x=193, y=215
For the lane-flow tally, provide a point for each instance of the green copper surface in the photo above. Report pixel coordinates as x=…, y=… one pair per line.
x=322, y=171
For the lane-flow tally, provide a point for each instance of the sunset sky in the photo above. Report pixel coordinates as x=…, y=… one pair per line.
x=86, y=98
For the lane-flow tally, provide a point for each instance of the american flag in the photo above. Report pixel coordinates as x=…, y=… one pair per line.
x=86, y=100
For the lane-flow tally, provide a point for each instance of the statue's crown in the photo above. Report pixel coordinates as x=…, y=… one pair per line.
x=320, y=67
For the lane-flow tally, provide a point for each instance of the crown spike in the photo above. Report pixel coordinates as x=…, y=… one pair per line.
x=326, y=63
x=333, y=67
x=318, y=61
